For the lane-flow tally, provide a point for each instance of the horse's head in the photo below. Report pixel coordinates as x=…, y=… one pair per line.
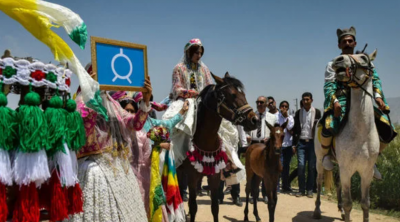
x=354, y=70
x=231, y=102
x=276, y=136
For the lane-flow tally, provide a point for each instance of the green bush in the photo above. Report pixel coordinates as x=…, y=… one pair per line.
x=384, y=194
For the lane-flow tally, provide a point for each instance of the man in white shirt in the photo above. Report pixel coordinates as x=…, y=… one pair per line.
x=272, y=107
x=262, y=133
x=287, y=151
x=303, y=141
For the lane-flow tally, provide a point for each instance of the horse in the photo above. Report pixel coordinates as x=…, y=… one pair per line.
x=263, y=162
x=225, y=99
x=357, y=144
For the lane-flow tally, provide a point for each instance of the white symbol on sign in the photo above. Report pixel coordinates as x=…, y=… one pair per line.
x=117, y=76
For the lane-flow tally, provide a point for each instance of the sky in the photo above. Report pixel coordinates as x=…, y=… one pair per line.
x=276, y=48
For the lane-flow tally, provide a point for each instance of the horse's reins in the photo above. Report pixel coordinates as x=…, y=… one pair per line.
x=238, y=114
x=352, y=70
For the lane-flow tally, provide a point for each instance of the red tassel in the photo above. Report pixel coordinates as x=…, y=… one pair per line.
x=45, y=196
x=27, y=205
x=3, y=203
x=68, y=199
x=59, y=208
x=76, y=198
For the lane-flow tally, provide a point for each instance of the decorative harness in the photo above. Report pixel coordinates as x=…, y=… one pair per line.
x=238, y=114
x=352, y=70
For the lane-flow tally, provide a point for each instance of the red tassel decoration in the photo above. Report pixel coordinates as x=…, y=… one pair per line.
x=27, y=204
x=59, y=208
x=76, y=198
x=45, y=196
x=3, y=203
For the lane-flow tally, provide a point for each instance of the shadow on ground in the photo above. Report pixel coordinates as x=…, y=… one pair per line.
x=307, y=216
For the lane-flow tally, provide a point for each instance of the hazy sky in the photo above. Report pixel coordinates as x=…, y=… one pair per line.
x=277, y=48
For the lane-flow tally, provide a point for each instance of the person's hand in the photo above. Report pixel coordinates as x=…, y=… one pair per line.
x=185, y=108
x=148, y=92
x=284, y=112
x=294, y=149
x=380, y=103
x=337, y=109
x=248, y=139
x=165, y=146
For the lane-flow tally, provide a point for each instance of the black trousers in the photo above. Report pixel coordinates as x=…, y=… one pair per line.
x=235, y=191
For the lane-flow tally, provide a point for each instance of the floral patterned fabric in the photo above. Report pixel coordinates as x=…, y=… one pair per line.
x=189, y=79
x=98, y=134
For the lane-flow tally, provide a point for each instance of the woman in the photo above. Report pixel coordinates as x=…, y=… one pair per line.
x=189, y=77
x=110, y=188
x=287, y=152
x=142, y=163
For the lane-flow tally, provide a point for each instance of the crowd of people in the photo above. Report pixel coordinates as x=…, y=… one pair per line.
x=126, y=164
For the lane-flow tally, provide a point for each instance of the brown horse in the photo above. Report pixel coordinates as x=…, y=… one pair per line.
x=263, y=162
x=225, y=100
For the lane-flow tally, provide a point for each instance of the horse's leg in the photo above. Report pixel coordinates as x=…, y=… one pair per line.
x=320, y=179
x=366, y=178
x=249, y=178
x=270, y=188
x=255, y=188
x=339, y=194
x=274, y=195
x=213, y=182
x=345, y=179
x=193, y=178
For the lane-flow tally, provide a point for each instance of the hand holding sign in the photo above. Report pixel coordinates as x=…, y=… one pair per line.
x=148, y=92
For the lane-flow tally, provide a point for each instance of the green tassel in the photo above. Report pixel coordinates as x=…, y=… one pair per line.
x=8, y=123
x=97, y=105
x=56, y=125
x=76, y=134
x=79, y=35
x=32, y=125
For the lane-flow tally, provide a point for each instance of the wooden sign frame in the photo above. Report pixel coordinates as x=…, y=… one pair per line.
x=94, y=40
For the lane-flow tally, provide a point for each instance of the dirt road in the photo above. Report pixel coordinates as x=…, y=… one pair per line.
x=289, y=209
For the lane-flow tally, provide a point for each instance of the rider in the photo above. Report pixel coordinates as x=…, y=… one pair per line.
x=189, y=77
x=336, y=99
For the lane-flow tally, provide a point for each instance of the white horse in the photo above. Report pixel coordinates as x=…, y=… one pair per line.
x=357, y=144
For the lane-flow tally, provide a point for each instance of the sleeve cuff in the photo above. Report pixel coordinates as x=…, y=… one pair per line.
x=377, y=95
x=144, y=107
x=334, y=101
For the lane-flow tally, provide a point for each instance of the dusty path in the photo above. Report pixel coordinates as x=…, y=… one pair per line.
x=289, y=209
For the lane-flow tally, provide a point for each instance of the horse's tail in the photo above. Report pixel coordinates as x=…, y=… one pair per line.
x=328, y=180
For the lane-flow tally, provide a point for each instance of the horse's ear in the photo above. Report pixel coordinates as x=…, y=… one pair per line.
x=227, y=74
x=269, y=125
x=217, y=79
x=285, y=124
x=372, y=56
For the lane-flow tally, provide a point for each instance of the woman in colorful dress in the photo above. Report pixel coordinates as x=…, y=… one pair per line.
x=110, y=188
x=142, y=163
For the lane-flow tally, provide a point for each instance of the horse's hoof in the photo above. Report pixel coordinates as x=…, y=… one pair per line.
x=343, y=217
x=246, y=219
x=317, y=215
x=259, y=221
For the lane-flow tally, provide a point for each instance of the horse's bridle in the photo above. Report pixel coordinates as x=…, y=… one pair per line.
x=238, y=114
x=352, y=70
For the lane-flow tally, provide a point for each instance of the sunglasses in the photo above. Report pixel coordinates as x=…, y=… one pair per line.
x=260, y=102
x=284, y=106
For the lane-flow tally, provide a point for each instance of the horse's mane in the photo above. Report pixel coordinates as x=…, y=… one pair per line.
x=234, y=82
x=228, y=81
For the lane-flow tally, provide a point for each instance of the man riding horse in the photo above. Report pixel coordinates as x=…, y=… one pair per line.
x=336, y=103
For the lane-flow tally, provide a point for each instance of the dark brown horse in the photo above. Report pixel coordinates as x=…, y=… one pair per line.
x=263, y=162
x=225, y=100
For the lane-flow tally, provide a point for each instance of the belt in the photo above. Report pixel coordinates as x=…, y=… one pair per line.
x=257, y=141
x=306, y=140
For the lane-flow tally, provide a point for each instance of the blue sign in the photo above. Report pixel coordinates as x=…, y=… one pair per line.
x=119, y=65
